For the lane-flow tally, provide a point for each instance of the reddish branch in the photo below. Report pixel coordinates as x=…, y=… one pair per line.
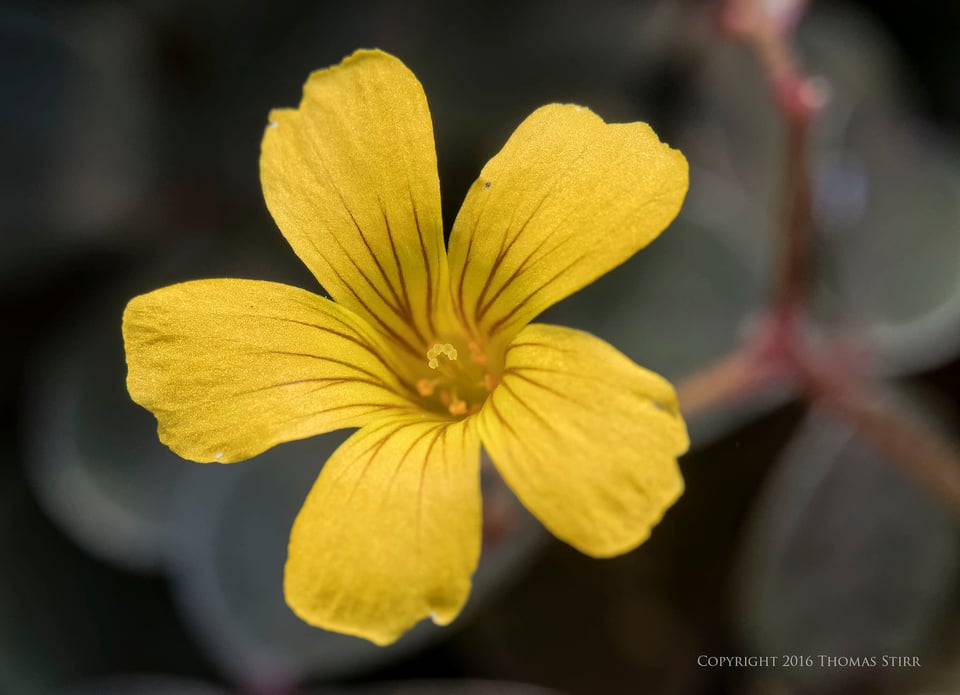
x=827, y=371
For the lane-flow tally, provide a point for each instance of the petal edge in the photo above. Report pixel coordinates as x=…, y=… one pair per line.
x=568, y=198
x=390, y=532
x=231, y=368
x=585, y=438
x=350, y=177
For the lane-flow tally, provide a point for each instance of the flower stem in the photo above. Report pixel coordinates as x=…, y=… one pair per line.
x=920, y=453
x=825, y=370
x=735, y=377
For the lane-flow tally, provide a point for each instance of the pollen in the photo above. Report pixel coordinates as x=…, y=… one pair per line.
x=461, y=378
x=434, y=353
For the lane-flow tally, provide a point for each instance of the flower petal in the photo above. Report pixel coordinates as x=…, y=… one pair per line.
x=586, y=439
x=351, y=179
x=567, y=198
x=390, y=532
x=232, y=367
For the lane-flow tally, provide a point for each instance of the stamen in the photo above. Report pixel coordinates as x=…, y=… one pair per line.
x=454, y=404
x=472, y=378
x=477, y=354
x=438, y=349
x=426, y=387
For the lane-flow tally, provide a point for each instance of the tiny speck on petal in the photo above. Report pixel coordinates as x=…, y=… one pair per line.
x=218, y=455
x=487, y=184
x=272, y=124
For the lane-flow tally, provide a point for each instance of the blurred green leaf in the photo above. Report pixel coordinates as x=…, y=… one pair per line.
x=886, y=203
x=93, y=456
x=675, y=307
x=153, y=684
x=844, y=556
x=227, y=563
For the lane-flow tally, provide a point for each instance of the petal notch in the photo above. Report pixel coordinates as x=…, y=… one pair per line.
x=567, y=199
x=350, y=177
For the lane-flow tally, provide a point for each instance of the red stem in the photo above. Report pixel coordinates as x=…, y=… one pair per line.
x=827, y=373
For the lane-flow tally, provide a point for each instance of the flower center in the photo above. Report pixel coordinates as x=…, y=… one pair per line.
x=457, y=386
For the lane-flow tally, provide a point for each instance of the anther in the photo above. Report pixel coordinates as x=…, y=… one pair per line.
x=477, y=354
x=490, y=381
x=426, y=387
x=454, y=404
x=438, y=349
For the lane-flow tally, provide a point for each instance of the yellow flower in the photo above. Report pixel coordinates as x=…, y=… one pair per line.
x=428, y=351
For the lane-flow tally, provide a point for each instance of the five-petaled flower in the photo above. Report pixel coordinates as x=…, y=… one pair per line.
x=429, y=351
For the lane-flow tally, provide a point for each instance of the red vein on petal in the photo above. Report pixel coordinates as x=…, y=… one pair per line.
x=367, y=432
x=326, y=381
x=441, y=431
x=358, y=341
x=387, y=328
x=404, y=300
x=502, y=321
x=370, y=407
x=510, y=280
x=395, y=308
x=527, y=406
x=533, y=344
x=419, y=438
x=462, y=279
x=331, y=184
x=533, y=382
x=504, y=250
x=323, y=358
x=431, y=300
x=497, y=414
x=370, y=455
x=501, y=254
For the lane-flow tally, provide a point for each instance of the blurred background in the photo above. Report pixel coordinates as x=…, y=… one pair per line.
x=128, y=160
